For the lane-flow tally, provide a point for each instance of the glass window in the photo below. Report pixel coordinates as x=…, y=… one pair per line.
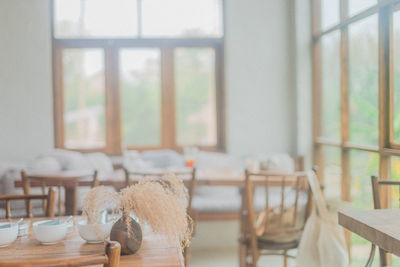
x=195, y=96
x=363, y=81
x=362, y=165
x=181, y=18
x=84, y=98
x=95, y=18
x=332, y=173
x=140, y=83
x=396, y=77
x=330, y=16
x=395, y=166
x=331, y=85
x=356, y=6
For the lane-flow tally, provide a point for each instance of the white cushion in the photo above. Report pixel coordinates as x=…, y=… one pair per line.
x=100, y=162
x=163, y=158
x=44, y=164
x=64, y=157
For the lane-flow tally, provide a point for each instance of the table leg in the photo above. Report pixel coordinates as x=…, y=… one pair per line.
x=71, y=200
x=59, y=201
x=27, y=190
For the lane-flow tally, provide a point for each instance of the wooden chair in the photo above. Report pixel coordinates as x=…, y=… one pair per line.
x=376, y=183
x=190, y=184
x=280, y=224
x=111, y=258
x=48, y=207
x=26, y=184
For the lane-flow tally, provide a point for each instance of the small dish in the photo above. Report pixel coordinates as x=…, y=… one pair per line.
x=94, y=233
x=49, y=232
x=8, y=233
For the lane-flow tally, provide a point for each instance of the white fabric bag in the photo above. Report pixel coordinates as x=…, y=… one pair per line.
x=322, y=243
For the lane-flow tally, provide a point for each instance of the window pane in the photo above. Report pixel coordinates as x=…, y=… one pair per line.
x=331, y=85
x=363, y=81
x=363, y=165
x=95, y=18
x=332, y=173
x=395, y=165
x=84, y=98
x=195, y=96
x=329, y=13
x=140, y=96
x=182, y=18
x=356, y=6
x=396, y=77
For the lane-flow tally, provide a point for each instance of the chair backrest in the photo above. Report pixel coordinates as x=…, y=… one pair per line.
x=376, y=183
x=188, y=177
x=377, y=197
x=49, y=201
x=111, y=258
x=287, y=198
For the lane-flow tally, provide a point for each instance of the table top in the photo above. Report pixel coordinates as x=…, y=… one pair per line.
x=380, y=227
x=155, y=251
x=63, y=175
x=223, y=177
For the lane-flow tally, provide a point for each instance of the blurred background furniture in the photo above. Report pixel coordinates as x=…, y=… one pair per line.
x=49, y=202
x=278, y=226
x=69, y=180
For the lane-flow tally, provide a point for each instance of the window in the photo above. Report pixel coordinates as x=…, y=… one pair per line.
x=138, y=74
x=356, y=57
x=84, y=98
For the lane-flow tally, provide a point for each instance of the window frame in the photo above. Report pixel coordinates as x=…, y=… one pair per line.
x=386, y=148
x=111, y=46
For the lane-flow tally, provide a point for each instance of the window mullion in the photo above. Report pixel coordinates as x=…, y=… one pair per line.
x=384, y=92
x=318, y=154
x=113, y=121
x=168, y=121
x=220, y=97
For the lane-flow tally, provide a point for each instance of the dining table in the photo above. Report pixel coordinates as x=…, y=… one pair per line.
x=379, y=226
x=156, y=250
x=210, y=177
x=69, y=180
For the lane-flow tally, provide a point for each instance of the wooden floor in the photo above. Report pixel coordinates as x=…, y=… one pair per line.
x=228, y=258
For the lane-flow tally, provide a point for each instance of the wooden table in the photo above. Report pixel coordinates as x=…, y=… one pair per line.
x=380, y=227
x=67, y=179
x=155, y=251
x=213, y=179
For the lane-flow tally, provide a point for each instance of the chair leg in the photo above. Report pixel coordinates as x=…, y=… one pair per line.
x=186, y=256
x=285, y=258
x=242, y=255
x=254, y=257
x=371, y=256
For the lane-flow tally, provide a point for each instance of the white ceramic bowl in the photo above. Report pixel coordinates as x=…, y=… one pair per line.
x=94, y=233
x=8, y=235
x=49, y=234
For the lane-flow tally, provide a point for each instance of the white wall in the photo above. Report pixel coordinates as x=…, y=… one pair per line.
x=260, y=94
x=26, y=116
x=260, y=91
x=304, y=79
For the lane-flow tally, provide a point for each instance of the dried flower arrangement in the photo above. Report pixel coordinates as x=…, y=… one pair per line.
x=98, y=199
x=159, y=203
